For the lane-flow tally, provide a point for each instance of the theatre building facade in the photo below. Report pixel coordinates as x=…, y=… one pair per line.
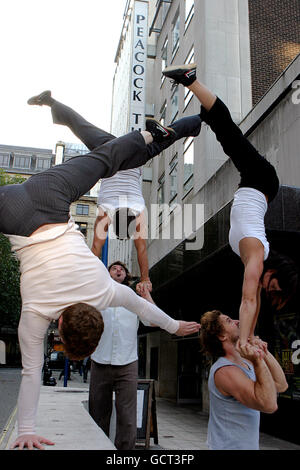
x=247, y=53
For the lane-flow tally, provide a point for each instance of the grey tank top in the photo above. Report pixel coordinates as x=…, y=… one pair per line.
x=232, y=425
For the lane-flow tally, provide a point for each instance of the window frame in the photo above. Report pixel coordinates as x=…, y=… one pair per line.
x=189, y=178
x=23, y=157
x=175, y=27
x=188, y=16
x=81, y=205
x=173, y=165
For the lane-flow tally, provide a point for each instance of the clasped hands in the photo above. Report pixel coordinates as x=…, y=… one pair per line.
x=255, y=349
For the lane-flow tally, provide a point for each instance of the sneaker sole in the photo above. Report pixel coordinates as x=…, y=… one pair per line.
x=166, y=130
x=187, y=67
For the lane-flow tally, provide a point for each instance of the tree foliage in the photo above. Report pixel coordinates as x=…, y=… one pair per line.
x=10, y=298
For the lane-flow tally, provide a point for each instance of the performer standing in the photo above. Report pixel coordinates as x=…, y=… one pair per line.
x=114, y=367
x=243, y=382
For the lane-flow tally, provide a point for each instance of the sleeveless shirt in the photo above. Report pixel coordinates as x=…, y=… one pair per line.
x=232, y=425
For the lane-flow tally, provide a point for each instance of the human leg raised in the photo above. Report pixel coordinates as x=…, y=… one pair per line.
x=255, y=170
x=89, y=134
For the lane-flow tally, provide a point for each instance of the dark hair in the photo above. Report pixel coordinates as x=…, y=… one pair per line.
x=81, y=329
x=287, y=274
x=123, y=218
x=211, y=328
x=128, y=277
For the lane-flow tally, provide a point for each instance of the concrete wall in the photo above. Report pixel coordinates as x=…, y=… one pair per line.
x=166, y=386
x=219, y=34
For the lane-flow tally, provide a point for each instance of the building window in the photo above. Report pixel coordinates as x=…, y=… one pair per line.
x=174, y=104
x=161, y=190
x=43, y=163
x=161, y=196
x=165, y=11
x=4, y=160
x=175, y=34
x=82, y=227
x=189, y=12
x=163, y=113
x=173, y=170
x=188, y=159
x=164, y=58
x=22, y=162
x=82, y=209
x=188, y=95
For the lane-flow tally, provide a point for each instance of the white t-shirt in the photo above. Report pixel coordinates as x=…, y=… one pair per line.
x=124, y=189
x=247, y=218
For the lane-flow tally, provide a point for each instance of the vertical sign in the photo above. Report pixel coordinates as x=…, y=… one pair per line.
x=139, y=63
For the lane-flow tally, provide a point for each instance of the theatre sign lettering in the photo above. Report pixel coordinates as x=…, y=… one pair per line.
x=138, y=72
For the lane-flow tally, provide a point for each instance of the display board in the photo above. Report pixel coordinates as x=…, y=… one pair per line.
x=146, y=413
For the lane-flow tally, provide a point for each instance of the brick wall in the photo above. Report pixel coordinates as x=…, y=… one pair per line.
x=274, y=40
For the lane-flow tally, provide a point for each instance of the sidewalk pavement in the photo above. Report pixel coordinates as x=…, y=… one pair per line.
x=63, y=418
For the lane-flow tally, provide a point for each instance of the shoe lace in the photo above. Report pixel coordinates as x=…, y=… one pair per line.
x=174, y=84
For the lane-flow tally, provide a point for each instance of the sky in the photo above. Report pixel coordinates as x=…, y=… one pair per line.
x=66, y=46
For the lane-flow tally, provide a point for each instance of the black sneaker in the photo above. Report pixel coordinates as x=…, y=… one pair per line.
x=42, y=98
x=158, y=131
x=184, y=74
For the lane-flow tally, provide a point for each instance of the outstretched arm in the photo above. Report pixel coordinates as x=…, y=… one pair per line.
x=149, y=312
x=32, y=330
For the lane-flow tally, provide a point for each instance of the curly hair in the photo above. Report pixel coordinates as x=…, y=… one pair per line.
x=211, y=328
x=81, y=329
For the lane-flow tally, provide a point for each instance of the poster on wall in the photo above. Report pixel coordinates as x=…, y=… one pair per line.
x=287, y=351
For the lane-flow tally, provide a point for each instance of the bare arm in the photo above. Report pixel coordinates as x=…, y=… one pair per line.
x=273, y=365
x=101, y=225
x=260, y=395
x=258, y=303
x=142, y=256
x=252, y=253
x=140, y=241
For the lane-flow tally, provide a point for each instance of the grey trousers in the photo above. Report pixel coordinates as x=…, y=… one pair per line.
x=45, y=197
x=105, y=379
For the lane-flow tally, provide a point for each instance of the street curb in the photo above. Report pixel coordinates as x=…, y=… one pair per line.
x=8, y=429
